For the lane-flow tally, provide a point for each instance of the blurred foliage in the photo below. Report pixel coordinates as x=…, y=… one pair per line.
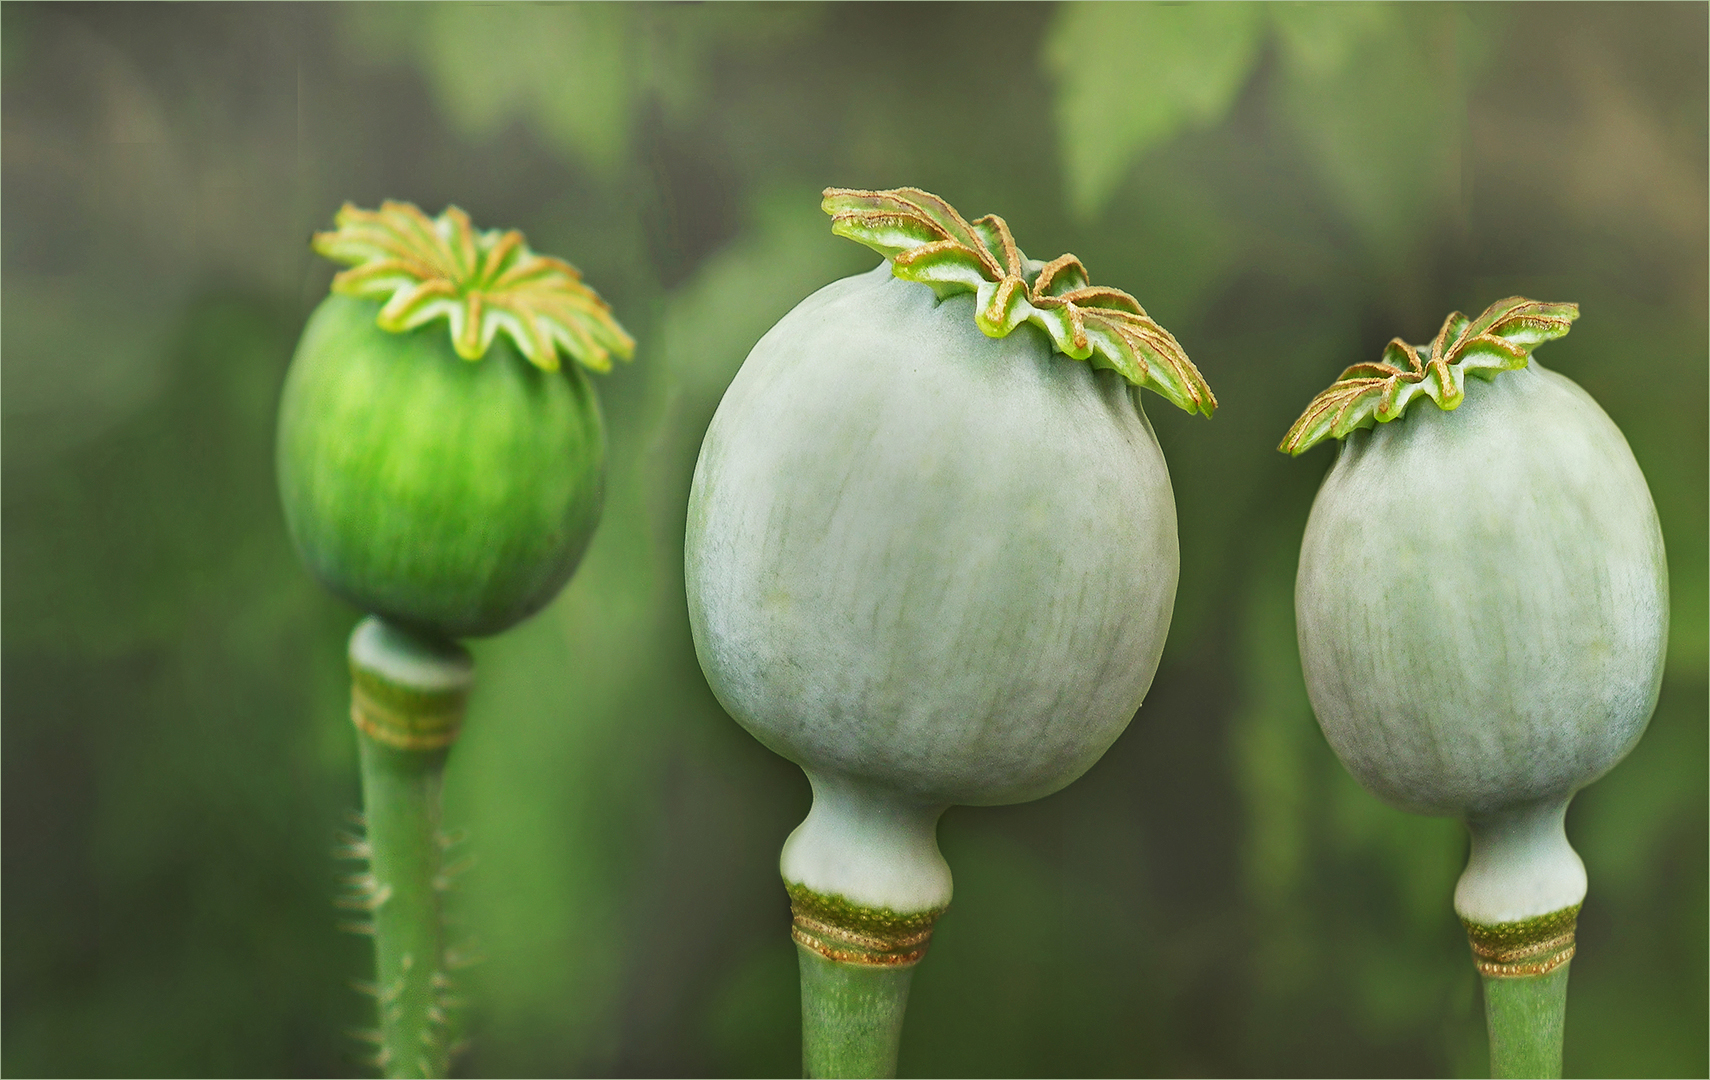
x=1284, y=186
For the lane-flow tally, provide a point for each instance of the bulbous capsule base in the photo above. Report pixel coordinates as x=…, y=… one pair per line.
x=869, y=847
x=1521, y=866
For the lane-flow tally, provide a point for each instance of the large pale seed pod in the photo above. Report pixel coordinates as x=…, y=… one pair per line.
x=931, y=558
x=925, y=561
x=931, y=555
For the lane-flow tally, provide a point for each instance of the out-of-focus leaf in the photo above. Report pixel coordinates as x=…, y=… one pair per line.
x=1377, y=93
x=579, y=73
x=1131, y=76
x=570, y=69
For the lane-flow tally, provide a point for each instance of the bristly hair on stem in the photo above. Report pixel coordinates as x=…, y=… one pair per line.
x=1365, y=395
x=366, y=894
x=927, y=241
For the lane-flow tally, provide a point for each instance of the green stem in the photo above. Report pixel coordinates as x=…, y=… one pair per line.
x=1526, y=1016
x=852, y=1016
x=400, y=796
x=407, y=697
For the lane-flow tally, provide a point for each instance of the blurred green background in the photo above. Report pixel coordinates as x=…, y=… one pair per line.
x=1284, y=186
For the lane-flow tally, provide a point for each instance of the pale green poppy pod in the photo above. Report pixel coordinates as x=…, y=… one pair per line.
x=1482, y=603
x=931, y=551
x=919, y=556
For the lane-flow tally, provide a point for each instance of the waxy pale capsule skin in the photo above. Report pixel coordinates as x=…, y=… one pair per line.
x=929, y=566
x=1482, y=610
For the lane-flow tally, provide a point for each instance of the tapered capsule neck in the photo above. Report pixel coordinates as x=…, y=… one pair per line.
x=1519, y=900
x=1521, y=866
x=871, y=846
x=865, y=877
x=422, y=662
x=1520, y=894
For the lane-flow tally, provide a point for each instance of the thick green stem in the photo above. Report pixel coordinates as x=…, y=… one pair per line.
x=856, y=964
x=1526, y=1017
x=852, y=1016
x=1525, y=967
x=407, y=698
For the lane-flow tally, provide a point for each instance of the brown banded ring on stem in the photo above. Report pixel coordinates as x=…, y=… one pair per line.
x=841, y=931
x=1526, y=947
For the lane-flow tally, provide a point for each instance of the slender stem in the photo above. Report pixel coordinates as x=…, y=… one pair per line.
x=852, y=1016
x=400, y=796
x=1526, y=1017
x=407, y=699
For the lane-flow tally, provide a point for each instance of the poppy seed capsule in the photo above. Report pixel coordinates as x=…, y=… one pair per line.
x=930, y=558
x=447, y=482
x=452, y=497
x=929, y=567
x=445, y=477
x=1482, y=610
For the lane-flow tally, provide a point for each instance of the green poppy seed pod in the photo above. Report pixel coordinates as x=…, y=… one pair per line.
x=930, y=563
x=448, y=482
x=1482, y=608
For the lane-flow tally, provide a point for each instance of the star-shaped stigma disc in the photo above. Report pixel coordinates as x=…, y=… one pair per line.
x=927, y=241
x=482, y=283
x=1501, y=339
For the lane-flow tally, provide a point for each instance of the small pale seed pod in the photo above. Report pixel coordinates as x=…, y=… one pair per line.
x=1482, y=610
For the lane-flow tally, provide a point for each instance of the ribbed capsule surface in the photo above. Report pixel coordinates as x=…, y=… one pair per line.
x=1482, y=599
x=450, y=496
x=920, y=557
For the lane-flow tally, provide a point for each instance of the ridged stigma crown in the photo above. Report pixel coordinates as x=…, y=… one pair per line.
x=481, y=282
x=927, y=241
x=1365, y=395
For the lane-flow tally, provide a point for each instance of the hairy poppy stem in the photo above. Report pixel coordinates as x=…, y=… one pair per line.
x=407, y=700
